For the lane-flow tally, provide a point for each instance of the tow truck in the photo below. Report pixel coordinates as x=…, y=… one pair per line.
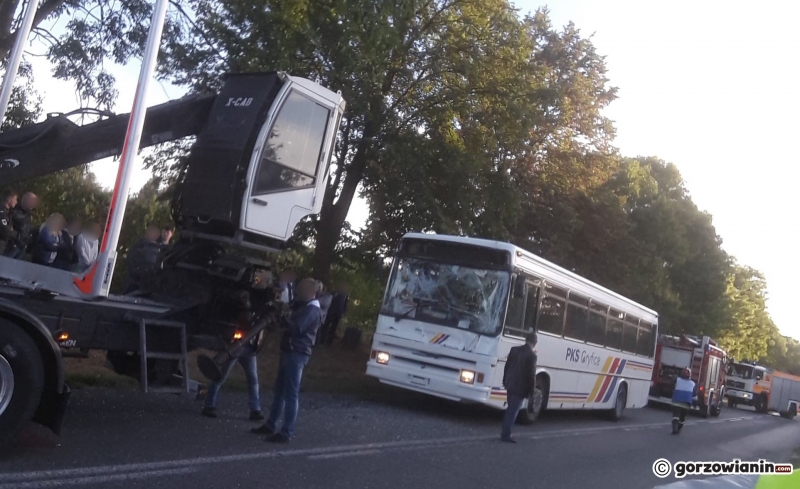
x=706, y=361
x=259, y=164
x=765, y=389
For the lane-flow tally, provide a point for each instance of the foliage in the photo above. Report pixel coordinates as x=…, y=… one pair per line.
x=461, y=118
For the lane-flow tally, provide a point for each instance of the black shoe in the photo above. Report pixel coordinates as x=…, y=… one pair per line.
x=508, y=439
x=262, y=430
x=277, y=438
x=256, y=416
x=209, y=412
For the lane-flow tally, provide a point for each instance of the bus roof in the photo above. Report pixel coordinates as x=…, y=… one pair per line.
x=560, y=275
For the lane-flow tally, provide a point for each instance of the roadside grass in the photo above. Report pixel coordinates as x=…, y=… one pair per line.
x=331, y=369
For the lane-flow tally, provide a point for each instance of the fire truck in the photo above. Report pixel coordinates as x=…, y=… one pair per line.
x=703, y=357
x=765, y=389
x=259, y=164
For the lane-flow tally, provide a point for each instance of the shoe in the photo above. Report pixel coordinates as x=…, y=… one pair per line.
x=277, y=438
x=256, y=416
x=508, y=440
x=209, y=412
x=262, y=430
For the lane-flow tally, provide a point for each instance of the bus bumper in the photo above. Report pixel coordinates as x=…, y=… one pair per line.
x=429, y=383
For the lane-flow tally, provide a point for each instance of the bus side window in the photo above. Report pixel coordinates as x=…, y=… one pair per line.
x=597, y=324
x=516, y=307
x=530, y=309
x=551, y=318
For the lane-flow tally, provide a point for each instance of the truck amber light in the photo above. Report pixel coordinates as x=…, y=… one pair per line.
x=382, y=357
x=63, y=337
x=468, y=376
x=480, y=378
x=237, y=336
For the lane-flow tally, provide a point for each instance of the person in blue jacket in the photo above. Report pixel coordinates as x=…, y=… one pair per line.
x=300, y=331
x=682, y=398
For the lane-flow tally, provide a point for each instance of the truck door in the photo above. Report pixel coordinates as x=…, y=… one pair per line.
x=288, y=172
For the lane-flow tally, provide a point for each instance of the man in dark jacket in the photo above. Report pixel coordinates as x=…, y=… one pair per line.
x=519, y=379
x=21, y=220
x=6, y=224
x=67, y=257
x=335, y=313
x=300, y=329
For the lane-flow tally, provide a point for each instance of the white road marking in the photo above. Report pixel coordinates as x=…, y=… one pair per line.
x=345, y=454
x=46, y=478
x=98, y=479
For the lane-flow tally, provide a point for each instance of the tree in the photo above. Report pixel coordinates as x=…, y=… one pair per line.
x=750, y=334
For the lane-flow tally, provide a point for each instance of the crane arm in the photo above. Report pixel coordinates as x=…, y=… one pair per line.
x=58, y=143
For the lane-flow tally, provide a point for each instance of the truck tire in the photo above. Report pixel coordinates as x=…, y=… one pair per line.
x=536, y=403
x=716, y=410
x=731, y=402
x=21, y=379
x=615, y=414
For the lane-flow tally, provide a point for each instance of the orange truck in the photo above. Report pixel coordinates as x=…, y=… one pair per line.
x=763, y=388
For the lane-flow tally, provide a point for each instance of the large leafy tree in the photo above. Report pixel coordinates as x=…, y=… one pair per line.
x=443, y=98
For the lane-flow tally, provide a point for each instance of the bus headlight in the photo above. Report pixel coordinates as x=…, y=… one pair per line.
x=382, y=357
x=468, y=376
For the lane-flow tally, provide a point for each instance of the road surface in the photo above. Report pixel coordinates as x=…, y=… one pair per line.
x=121, y=438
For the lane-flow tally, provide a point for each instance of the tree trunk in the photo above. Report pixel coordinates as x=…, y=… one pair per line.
x=333, y=215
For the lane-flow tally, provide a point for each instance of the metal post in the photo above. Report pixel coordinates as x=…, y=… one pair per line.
x=16, y=56
x=108, y=248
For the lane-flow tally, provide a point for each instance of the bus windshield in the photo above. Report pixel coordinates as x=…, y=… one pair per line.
x=741, y=371
x=450, y=295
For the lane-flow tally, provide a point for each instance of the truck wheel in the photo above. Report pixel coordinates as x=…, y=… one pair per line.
x=716, y=409
x=619, y=405
x=535, y=405
x=21, y=379
x=731, y=402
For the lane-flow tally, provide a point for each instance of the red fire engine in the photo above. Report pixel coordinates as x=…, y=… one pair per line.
x=705, y=360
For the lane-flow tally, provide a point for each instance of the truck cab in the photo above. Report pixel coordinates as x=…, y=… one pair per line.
x=748, y=383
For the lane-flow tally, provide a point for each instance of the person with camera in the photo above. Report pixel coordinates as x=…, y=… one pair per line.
x=299, y=331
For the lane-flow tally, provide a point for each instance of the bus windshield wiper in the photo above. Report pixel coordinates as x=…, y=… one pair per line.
x=417, y=304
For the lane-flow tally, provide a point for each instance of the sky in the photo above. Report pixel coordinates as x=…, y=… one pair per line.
x=709, y=86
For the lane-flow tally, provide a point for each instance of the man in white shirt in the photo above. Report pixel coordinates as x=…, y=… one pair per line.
x=87, y=245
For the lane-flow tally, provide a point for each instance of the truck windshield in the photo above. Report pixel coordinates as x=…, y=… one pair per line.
x=450, y=295
x=741, y=371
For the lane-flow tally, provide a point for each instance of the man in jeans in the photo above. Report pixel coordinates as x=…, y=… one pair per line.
x=519, y=379
x=247, y=359
x=300, y=329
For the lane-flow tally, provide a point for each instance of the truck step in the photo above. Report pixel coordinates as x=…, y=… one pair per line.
x=164, y=355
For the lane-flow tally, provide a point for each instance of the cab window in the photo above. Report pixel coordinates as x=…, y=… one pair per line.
x=293, y=147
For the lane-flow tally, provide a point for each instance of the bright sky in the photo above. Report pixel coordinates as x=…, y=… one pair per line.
x=708, y=85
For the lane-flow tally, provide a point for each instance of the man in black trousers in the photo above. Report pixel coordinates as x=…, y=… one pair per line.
x=519, y=379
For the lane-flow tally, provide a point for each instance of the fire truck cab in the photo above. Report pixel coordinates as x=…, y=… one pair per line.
x=703, y=357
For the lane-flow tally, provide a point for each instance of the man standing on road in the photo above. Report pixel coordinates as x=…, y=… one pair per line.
x=300, y=329
x=682, y=397
x=519, y=379
x=21, y=220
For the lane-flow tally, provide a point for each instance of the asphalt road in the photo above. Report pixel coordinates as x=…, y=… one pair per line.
x=121, y=438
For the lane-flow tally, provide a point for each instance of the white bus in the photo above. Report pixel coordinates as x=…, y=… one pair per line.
x=455, y=306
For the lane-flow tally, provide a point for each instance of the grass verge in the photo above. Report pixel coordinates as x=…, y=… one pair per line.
x=331, y=369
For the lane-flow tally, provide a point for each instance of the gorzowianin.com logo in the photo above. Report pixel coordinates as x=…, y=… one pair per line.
x=662, y=468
